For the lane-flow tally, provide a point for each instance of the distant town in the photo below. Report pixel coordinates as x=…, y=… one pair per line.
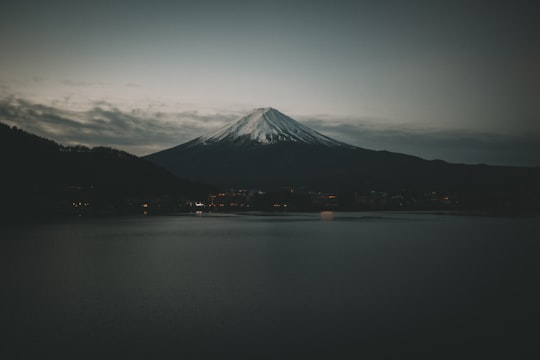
x=286, y=200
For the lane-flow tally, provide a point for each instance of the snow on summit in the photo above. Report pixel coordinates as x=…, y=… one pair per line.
x=268, y=126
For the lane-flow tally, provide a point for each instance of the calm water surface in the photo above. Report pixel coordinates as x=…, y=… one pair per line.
x=299, y=286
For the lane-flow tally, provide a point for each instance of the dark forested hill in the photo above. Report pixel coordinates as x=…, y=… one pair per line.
x=39, y=175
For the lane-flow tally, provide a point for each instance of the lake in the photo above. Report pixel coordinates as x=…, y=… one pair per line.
x=263, y=286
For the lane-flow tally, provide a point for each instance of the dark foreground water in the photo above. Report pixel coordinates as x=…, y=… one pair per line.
x=302, y=286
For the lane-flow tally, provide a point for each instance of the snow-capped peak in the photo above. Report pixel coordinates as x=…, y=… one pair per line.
x=268, y=126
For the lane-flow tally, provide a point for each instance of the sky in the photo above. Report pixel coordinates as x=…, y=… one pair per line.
x=454, y=80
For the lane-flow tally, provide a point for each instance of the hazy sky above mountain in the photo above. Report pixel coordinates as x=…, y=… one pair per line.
x=464, y=69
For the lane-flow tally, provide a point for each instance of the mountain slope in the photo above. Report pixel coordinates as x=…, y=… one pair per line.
x=329, y=169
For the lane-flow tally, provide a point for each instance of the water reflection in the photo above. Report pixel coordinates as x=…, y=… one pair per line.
x=327, y=215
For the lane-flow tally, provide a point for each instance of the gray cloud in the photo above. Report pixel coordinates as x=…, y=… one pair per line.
x=143, y=131
x=458, y=146
x=135, y=131
x=77, y=83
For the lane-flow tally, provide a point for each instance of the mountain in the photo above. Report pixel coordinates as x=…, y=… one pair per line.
x=268, y=150
x=41, y=175
x=267, y=126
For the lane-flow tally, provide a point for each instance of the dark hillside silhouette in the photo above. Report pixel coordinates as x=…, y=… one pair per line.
x=42, y=178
